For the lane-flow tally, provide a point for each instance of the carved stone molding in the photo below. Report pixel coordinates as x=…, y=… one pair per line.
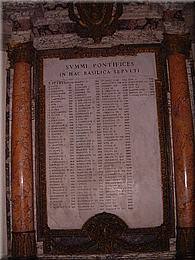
x=175, y=43
x=21, y=52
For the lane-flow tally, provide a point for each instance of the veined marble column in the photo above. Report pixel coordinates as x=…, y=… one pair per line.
x=183, y=143
x=3, y=227
x=23, y=234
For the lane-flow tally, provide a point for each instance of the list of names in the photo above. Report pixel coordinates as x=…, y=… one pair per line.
x=102, y=140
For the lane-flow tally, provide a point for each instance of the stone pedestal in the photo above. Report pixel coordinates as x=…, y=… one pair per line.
x=183, y=143
x=23, y=235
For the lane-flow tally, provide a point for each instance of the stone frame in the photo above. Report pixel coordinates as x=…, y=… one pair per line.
x=59, y=242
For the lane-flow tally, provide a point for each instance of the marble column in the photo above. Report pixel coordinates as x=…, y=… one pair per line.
x=3, y=227
x=177, y=48
x=23, y=234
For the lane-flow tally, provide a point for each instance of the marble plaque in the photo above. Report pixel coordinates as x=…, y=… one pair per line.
x=102, y=140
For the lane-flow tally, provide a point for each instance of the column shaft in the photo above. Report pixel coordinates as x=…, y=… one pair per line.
x=23, y=235
x=183, y=144
x=183, y=141
x=22, y=199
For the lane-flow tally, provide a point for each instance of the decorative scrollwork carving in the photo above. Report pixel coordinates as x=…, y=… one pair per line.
x=96, y=19
x=105, y=229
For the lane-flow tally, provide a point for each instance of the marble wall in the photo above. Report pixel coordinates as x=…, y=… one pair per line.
x=49, y=26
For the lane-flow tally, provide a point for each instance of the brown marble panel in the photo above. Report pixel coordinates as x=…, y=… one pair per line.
x=183, y=143
x=22, y=198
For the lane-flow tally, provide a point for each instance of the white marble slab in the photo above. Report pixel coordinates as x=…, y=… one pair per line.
x=102, y=140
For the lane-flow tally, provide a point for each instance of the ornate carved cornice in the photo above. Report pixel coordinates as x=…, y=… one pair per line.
x=175, y=43
x=21, y=52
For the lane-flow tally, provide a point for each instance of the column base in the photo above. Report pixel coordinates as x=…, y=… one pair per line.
x=185, y=243
x=23, y=245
